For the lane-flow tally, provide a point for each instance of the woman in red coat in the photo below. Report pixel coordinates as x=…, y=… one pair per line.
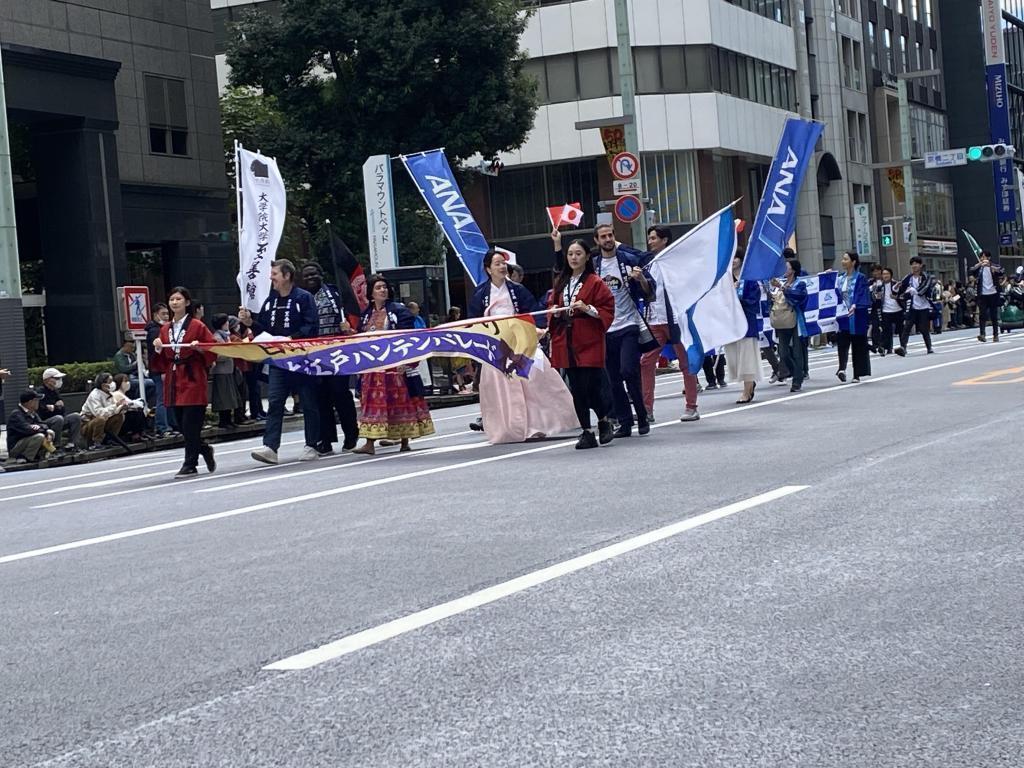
x=577, y=338
x=185, y=376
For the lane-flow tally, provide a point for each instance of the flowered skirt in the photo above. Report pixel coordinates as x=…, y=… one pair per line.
x=388, y=411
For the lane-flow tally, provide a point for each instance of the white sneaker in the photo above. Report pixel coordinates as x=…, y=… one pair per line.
x=265, y=454
x=690, y=415
x=309, y=453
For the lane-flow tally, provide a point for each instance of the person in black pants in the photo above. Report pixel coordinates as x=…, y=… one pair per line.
x=915, y=291
x=892, y=312
x=989, y=276
x=714, y=370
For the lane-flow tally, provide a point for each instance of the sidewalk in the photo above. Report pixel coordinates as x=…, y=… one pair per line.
x=210, y=434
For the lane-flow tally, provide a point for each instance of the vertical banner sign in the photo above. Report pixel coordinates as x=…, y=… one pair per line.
x=776, y=215
x=614, y=139
x=380, y=213
x=862, y=228
x=261, y=212
x=435, y=181
x=998, y=106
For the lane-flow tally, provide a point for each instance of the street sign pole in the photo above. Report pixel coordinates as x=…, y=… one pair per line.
x=908, y=169
x=627, y=82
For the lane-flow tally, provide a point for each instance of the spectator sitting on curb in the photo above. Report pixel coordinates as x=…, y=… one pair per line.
x=102, y=416
x=27, y=435
x=53, y=413
x=134, y=410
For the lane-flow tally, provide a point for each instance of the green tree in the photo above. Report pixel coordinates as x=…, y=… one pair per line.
x=350, y=79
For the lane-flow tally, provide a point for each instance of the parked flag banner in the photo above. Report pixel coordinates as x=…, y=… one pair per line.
x=380, y=213
x=570, y=213
x=776, y=215
x=973, y=243
x=347, y=269
x=505, y=343
x=694, y=272
x=261, y=211
x=435, y=181
x=819, y=314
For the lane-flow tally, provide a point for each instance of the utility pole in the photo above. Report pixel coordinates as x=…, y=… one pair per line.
x=13, y=355
x=906, y=149
x=627, y=83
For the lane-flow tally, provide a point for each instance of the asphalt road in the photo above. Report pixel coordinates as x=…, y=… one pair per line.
x=832, y=578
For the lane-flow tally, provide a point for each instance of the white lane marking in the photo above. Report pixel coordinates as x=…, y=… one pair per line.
x=428, y=616
x=177, y=483
x=435, y=470
x=360, y=463
x=270, y=504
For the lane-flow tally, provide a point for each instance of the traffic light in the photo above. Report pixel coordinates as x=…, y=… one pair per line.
x=989, y=153
x=887, y=236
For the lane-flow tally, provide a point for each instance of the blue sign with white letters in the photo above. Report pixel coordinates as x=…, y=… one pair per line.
x=999, y=126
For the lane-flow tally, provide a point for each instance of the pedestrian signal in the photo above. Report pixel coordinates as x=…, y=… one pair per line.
x=887, y=236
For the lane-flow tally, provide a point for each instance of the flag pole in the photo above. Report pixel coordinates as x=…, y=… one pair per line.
x=239, y=214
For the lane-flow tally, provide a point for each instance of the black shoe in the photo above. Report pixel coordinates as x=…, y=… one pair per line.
x=931, y=351
x=604, y=431
x=623, y=431
x=186, y=472
x=587, y=440
x=642, y=428
x=477, y=426
x=711, y=386
x=841, y=375
x=981, y=337
x=324, y=449
x=901, y=351
x=796, y=388
x=207, y=453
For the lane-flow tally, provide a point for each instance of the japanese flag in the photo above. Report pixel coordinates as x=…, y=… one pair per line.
x=570, y=213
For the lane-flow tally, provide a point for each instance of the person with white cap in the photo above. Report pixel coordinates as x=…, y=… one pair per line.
x=55, y=415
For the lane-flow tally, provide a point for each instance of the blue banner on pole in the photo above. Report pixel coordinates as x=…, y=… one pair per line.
x=435, y=181
x=776, y=216
x=999, y=126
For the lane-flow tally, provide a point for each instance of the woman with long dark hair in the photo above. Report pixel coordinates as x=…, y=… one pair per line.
x=513, y=409
x=186, y=377
x=392, y=402
x=578, y=338
x=853, y=317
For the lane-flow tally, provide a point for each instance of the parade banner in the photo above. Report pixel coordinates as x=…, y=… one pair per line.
x=380, y=213
x=776, y=215
x=504, y=343
x=435, y=181
x=261, y=212
x=819, y=313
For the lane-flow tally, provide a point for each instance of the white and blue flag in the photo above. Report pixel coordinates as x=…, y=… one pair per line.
x=695, y=273
x=819, y=314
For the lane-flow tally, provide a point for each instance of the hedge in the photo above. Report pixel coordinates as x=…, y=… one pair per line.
x=78, y=377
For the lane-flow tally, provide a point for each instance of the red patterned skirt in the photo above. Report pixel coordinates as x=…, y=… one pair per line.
x=388, y=412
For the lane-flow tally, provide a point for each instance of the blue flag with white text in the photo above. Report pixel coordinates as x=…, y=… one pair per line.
x=776, y=216
x=435, y=181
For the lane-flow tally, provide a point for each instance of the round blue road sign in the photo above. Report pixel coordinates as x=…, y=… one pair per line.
x=628, y=208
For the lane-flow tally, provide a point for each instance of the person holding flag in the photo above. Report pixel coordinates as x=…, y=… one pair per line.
x=513, y=409
x=853, y=317
x=990, y=277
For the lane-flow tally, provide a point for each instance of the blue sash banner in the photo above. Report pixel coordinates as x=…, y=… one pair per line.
x=435, y=181
x=776, y=216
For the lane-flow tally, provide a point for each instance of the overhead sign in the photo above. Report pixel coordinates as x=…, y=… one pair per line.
x=380, y=213
x=946, y=158
x=625, y=165
x=628, y=209
x=626, y=187
x=134, y=308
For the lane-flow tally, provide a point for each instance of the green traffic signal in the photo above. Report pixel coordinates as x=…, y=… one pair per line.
x=974, y=153
x=887, y=241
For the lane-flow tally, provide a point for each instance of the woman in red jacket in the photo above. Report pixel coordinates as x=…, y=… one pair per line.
x=577, y=338
x=185, y=377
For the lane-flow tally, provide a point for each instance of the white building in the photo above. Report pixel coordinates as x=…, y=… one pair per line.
x=716, y=80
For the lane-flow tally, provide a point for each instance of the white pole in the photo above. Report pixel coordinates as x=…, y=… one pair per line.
x=238, y=219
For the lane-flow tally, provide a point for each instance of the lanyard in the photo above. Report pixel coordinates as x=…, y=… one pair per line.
x=571, y=291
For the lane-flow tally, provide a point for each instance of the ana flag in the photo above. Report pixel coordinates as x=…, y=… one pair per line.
x=776, y=216
x=691, y=270
x=819, y=313
x=436, y=182
x=506, y=343
x=570, y=213
x=261, y=212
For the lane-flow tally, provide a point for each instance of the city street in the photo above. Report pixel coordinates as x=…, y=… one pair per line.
x=829, y=578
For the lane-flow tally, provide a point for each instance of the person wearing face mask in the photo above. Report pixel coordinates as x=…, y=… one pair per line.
x=55, y=415
x=135, y=409
x=102, y=415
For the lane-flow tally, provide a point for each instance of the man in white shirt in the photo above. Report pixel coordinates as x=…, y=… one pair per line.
x=892, y=312
x=989, y=278
x=915, y=291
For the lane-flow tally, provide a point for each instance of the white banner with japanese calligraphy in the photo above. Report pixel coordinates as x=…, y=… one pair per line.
x=380, y=213
x=261, y=211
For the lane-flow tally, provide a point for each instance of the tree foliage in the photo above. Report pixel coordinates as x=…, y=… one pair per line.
x=349, y=79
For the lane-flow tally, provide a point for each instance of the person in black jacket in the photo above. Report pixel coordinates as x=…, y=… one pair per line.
x=288, y=312
x=989, y=276
x=26, y=433
x=54, y=414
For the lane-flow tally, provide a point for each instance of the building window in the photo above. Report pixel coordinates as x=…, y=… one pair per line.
x=520, y=196
x=561, y=78
x=872, y=45
x=776, y=10
x=890, y=60
x=670, y=180
x=167, y=116
x=595, y=77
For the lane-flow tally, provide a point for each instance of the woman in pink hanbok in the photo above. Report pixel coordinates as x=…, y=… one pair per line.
x=515, y=409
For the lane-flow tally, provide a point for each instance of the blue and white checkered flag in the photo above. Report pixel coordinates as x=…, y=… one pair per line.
x=819, y=314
